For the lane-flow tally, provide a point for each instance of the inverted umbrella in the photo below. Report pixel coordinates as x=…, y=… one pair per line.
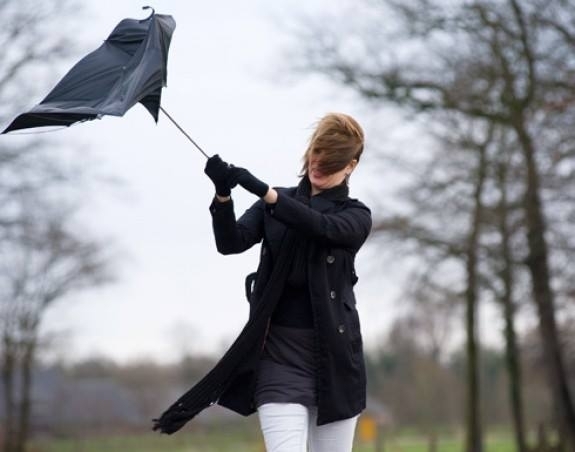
x=129, y=67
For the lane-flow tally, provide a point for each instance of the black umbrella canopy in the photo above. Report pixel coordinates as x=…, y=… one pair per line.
x=129, y=67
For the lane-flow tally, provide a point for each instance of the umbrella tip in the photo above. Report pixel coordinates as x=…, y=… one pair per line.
x=149, y=7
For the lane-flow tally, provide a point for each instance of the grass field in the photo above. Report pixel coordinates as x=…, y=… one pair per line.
x=233, y=438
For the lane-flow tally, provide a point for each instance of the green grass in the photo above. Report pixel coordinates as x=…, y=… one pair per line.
x=444, y=444
x=245, y=438
x=240, y=438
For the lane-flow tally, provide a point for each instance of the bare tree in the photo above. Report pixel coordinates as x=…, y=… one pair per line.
x=33, y=42
x=42, y=257
x=506, y=62
x=506, y=271
x=42, y=263
x=35, y=38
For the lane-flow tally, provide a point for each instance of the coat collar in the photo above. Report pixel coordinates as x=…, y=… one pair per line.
x=323, y=200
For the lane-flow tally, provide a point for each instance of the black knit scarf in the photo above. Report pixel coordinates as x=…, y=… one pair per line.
x=209, y=389
x=297, y=273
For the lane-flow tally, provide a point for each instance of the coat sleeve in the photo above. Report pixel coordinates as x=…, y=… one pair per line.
x=233, y=236
x=349, y=227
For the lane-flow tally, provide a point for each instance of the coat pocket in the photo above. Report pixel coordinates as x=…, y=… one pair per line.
x=353, y=325
x=354, y=336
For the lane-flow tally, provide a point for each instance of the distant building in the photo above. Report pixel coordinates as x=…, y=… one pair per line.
x=59, y=403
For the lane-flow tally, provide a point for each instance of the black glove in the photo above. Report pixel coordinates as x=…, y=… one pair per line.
x=217, y=170
x=243, y=177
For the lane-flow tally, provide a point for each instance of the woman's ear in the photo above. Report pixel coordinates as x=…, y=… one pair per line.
x=350, y=167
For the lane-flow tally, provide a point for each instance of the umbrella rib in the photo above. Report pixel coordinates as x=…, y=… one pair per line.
x=184, y=132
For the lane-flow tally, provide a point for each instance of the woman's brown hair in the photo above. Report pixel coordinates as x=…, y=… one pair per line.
x=337, y=140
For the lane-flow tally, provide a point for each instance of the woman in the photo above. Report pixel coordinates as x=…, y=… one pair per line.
x=299, y=360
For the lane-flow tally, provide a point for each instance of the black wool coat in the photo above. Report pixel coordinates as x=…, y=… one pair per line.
x=336, y=227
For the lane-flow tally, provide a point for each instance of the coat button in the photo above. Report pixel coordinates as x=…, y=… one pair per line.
x=264, y=251
x=332, y=295
x=330, y=259
x=341, y=329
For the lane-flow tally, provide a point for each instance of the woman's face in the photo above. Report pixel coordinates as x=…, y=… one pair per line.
x=320, y=181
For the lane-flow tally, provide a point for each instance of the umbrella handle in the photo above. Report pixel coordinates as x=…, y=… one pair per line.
x=184, y=132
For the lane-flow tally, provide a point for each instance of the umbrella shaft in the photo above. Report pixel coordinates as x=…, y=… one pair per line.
x=183, y=131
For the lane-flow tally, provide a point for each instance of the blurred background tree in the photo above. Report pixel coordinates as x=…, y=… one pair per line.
x=492, y=82
x=44, y=254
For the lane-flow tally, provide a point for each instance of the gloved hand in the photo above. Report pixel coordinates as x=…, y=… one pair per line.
x=217, y=170
x=243, y=177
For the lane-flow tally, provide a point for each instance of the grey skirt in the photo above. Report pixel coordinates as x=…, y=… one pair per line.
x=287, y=371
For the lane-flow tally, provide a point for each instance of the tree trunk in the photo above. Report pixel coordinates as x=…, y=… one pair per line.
x=21, y=436
x=511, y=349
x=8, y=360
x=538, y=264
x=474, y=440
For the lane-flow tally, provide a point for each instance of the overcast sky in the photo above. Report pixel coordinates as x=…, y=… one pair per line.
x=228, y=87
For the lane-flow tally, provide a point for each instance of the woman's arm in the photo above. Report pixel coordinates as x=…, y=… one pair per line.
x=349, y=227
x=233, y=236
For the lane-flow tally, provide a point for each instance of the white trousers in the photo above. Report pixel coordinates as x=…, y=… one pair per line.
x=291, y=427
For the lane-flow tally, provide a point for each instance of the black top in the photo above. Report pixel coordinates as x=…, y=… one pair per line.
x=294, y=306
